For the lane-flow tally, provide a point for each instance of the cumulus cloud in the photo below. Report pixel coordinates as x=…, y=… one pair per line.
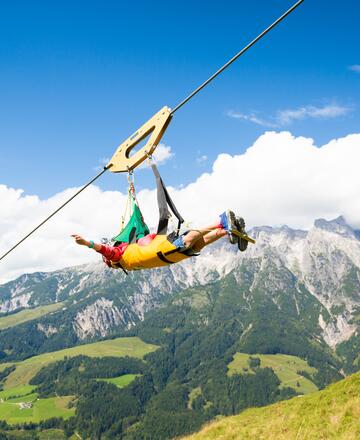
x=288, y=116
x=355, y=68
x=94, y=212
x=162, y=154
x=280, y=179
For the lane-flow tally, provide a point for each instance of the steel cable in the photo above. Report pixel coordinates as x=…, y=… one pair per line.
x=192, y=94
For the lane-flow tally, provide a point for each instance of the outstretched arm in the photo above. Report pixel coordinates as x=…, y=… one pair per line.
x=82, y=242
x=113, y=253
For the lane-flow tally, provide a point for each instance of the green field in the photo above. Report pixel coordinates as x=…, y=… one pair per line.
x=12, y=393
x=121, y=381
x=330, y=414
x=22, y=399
x=28, y=315
x=42, y=409
x=17, y=389
x=284, y=366
x=25, y=370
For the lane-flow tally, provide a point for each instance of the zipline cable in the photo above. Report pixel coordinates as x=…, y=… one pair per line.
x=234, y=58
x=55, y=212
x=197, y=90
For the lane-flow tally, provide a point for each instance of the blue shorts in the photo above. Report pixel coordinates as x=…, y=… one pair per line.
x=181, y=246
x=179, y=242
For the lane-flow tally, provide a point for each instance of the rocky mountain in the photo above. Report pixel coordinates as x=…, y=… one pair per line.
x=310, y=276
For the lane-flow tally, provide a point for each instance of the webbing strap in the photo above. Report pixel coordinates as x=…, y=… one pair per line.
x=163, y=258
x=164, y=202
x=132, y=235
x=118, y=265
x=173, y=251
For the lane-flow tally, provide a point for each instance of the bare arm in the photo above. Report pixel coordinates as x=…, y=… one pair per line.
x=82, y=242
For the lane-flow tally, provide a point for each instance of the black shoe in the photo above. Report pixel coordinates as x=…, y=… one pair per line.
x=240, y=226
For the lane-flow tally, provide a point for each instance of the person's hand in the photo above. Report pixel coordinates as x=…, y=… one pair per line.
x=80, y=240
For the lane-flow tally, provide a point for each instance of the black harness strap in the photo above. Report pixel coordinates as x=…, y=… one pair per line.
x=188, y=252
x=163, y=258
x=164, y=202
x=173, y=251
x=119, y=266
x=132, y=235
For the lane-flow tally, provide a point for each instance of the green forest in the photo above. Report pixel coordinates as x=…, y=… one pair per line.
x=184, y=383
x=213, y=353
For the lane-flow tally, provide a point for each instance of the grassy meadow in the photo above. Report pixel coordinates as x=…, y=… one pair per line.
x=119, y=347
x=28, y=315
x=121, y=381
x=17, y=389
x=42, y=409
x=286, y=367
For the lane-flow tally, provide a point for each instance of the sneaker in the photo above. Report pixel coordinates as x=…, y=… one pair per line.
x=228, y=222
x=240, y=225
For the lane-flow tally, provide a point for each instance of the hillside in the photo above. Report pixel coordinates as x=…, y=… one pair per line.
x=17, y=389
x=290, y=370
x=119, y=347
x=13, y=319
x=329, y=414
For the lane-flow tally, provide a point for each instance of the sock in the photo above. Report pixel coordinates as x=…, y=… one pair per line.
x=223, y=221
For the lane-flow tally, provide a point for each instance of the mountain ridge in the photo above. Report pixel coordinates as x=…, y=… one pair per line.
x=322, y=260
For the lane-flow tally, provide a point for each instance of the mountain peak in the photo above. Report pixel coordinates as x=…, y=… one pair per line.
x=337, y=226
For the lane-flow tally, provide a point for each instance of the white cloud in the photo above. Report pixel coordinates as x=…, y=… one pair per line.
x=251, y=118
x=355, y=68
x=95, y=212
x=201, y=159
x=286, y=117
x=162, y=154
x=280, y=179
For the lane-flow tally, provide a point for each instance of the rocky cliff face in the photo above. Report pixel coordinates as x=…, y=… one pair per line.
x=98, y=318
x=326, y=260
x=323, y=262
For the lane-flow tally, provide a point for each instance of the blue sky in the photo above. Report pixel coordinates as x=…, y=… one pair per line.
x=77, y=78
